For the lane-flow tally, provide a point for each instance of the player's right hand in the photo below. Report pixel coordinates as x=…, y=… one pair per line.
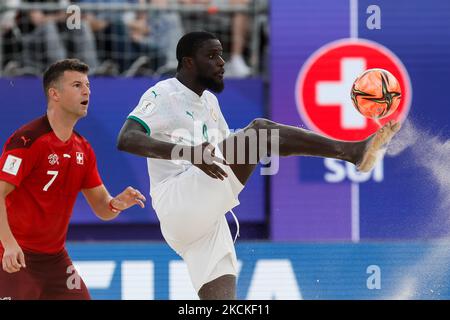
x=208, y=161
x=13, y=258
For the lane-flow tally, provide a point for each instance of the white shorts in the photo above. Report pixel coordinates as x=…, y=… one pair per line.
x=191, y=208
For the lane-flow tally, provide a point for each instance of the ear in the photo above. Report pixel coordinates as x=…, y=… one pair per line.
x=53, y=94
x=188, y=63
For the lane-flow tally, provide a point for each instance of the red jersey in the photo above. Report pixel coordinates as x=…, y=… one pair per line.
x=48, y=174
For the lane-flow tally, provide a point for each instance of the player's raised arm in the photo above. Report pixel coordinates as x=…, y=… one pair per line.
x=13, y=258
x=134, y=138
x=107, y=207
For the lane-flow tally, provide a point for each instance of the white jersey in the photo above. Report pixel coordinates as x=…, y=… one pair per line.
x=173, y=113
x=190, y=205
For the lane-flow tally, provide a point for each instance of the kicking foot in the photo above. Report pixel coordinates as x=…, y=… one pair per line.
x=376, y=145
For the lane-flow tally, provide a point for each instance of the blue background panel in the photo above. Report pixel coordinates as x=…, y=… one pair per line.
x=411, y=199
x=111, y=101
x=399, y=270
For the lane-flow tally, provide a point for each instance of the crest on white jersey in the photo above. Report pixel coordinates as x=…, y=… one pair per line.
x=12, y=165
x=214, y=115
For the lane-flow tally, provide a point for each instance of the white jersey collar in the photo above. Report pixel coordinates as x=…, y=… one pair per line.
x=189, y=93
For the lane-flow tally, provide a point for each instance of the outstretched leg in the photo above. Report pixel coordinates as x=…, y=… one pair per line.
x=263, y=137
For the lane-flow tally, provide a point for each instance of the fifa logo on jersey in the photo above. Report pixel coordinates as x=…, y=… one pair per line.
x=80, y=158
x=53, y=159
x=12, y=164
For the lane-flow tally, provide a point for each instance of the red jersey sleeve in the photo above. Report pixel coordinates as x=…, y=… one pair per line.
x=92, y=178
x=16, y=163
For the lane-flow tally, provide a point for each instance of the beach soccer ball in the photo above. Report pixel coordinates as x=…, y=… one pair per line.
x=376, y=93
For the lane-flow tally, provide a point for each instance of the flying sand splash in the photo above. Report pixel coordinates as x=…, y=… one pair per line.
x=432, y=154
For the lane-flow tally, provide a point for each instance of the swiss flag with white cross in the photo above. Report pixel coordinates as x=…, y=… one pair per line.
x=324, y=84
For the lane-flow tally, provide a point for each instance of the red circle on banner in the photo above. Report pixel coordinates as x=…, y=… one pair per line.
x=324, y=84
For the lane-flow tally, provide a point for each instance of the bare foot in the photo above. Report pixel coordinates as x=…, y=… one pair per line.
x=376, y=145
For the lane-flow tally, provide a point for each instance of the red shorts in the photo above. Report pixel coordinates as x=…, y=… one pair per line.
x=46, y=277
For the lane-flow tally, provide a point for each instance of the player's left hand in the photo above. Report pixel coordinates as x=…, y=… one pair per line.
x=208, y=161
x=128, y=198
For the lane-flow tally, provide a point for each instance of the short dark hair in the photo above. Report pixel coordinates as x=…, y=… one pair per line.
x=189, y=44
x=56, y=70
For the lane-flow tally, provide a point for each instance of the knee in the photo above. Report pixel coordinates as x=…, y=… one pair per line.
x=260, y=123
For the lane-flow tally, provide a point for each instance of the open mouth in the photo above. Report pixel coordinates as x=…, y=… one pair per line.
x=85, y=103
